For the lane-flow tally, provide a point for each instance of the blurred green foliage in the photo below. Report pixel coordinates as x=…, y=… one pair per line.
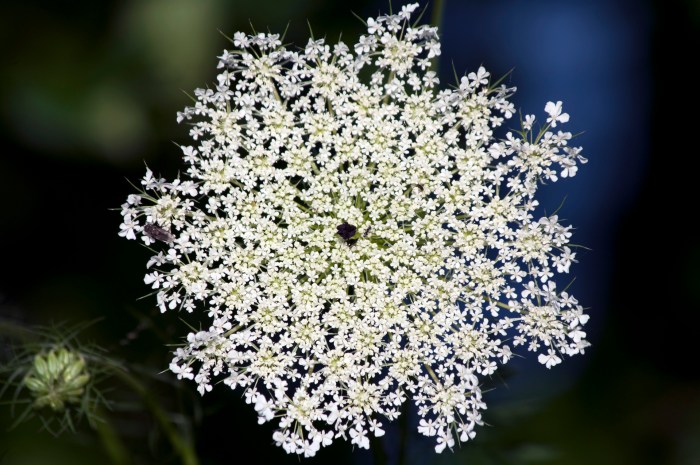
x=104, y=80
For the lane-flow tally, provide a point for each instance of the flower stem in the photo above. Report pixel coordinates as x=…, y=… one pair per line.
x=436, y=17
x=436, y=21
x=111, y=442
x=431, y=373
x=182, y=446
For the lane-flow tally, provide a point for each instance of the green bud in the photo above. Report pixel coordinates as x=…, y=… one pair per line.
x=72, y=370
x=57, y=378
x=35, y=384
x=40, y=367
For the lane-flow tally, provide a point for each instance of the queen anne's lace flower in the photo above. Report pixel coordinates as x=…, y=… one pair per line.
x=358, y=238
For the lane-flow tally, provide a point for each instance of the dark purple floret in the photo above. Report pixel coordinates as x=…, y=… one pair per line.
x=346, y=231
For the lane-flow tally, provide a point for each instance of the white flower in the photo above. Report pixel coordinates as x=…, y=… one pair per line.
x=427, y=427
x=128, y=228
x=359, y=437
x=555, y=114
x=444, y=440
x=351, y=243
x=550, y=359
x=376, y=428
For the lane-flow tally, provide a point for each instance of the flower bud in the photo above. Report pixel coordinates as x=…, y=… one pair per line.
x=57, y=378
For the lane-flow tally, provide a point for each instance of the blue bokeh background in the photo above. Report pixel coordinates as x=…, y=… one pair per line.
x=594, y=56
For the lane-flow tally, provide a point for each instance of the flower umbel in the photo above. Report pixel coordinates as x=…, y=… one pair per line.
x=356, y=243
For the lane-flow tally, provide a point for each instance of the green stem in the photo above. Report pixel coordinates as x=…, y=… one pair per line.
x=436, y=21
x=431, y=373
x=182, y=446
x=438, y=9
x=110, y=441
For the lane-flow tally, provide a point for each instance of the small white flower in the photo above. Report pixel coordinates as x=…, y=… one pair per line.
x=376, y=427
x=128, y=228
x=466, y=432
x=550, y=359
x=529, y=121
x=373, y=26
x=480, y=78
x=155, y=279
x=184, y=371
x=427, y=427
x=555, y=114
x=444, y=440
x=359, y=437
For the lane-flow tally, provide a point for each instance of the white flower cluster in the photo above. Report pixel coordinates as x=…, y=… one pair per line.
x=358, y=238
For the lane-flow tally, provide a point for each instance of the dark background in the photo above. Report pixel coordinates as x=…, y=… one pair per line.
x=89, y=92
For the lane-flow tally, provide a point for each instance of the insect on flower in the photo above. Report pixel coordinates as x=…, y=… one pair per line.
x=347, y=231
x=157, y=233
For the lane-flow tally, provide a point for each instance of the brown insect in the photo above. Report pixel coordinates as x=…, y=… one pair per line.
x=157, y=233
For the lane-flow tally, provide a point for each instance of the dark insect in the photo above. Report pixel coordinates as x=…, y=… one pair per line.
x=367, y=232
x=157, y=233
x=347, y=231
